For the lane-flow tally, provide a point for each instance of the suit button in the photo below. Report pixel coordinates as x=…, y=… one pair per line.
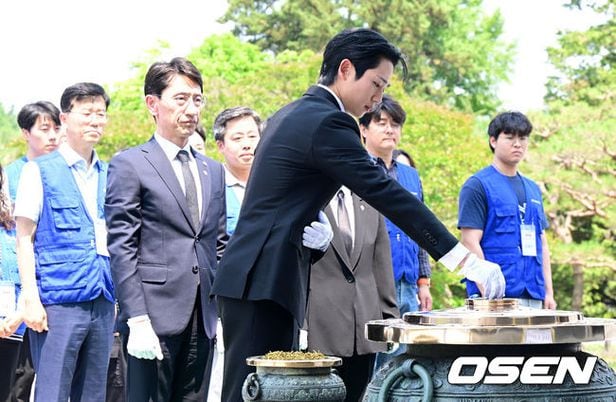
x=195, y=269
x=197, y=238
x=350, y=280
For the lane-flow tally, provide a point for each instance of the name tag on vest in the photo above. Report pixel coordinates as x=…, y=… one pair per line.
x=529, y=243
x=7, y=298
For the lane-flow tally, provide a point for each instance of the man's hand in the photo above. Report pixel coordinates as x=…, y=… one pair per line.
x=425, y=298
x=142, y=340
x=34, y=314
x=9, y=325
x=549, y=302
x=318, y=234
x=486, y=275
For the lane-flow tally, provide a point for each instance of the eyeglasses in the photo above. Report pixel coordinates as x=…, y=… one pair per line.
x=183, y=100
x=91, y=115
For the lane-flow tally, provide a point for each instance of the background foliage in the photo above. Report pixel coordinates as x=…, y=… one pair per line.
x=455, y=54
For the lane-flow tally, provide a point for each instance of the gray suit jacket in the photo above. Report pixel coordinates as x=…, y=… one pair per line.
x=158, y=258
x=345, y=293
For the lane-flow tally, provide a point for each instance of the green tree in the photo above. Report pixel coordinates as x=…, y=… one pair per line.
x=455, y=53
x=586, y=60
x=9, y=132
x=574, y=158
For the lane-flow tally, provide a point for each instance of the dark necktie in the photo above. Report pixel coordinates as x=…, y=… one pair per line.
x=344, y=225
x=190, y=188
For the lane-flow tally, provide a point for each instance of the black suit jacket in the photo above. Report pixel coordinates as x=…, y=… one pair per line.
x=157, y=257
x=308, y=149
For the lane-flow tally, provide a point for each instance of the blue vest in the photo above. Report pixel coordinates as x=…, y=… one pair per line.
x=233, y=209
x=501, y=241
x=404, y=251
x=13, y=172
x=8, y=266
x=68, y=269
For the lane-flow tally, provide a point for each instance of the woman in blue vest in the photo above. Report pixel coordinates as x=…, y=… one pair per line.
x=501, y=216
x=11, y=327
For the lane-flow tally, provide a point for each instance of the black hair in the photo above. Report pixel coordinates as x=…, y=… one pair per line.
x=81, y=91
x=220, y=123
x=514, y=123
x=26, y=118
x=365, y=48
x=388, y=105
x=398, y=152
x=161, y=73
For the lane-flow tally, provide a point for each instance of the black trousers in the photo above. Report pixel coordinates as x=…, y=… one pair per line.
x=356, y=372
x=184, y=372
x=24, y=374
x=251, y=328
x=9, y=354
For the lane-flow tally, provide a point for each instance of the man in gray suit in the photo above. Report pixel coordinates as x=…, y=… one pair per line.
x=352, y=284
x=165, y=210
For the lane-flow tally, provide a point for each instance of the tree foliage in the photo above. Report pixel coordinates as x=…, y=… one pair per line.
x=9, y=133
x=455, y=53
x=586, y=60
x=575, y=160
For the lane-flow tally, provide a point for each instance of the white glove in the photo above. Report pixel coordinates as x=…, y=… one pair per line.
x=142, y=340
x=303, y=339
x=486, y=274
x=319, y=234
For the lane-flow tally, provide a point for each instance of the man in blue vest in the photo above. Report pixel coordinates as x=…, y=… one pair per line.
x=501, y=216
x=40, y=126
x=381, y=130
x=62, y=253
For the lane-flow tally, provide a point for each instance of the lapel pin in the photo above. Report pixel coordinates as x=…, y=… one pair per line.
x=361, y=207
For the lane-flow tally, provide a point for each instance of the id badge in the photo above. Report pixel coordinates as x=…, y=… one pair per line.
x=7, y=298
x=100, y=234
x=529, y=243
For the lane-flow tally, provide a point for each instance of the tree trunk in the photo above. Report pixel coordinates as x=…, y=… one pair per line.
x=578, y=285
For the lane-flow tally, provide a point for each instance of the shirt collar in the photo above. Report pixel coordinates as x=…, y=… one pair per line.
x=231, y=180
x=73, y=158
x=334, y=95
x=170, y=149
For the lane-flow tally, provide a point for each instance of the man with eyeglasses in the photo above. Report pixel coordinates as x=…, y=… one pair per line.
x=67, y=290
x=165, y=210
x=501, y=216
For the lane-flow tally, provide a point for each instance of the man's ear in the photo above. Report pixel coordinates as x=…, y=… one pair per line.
x=346, y=70
x=220, y=145
x=25, y=133
x=151, y=102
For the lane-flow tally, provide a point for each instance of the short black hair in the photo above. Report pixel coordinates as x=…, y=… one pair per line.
x=388, y=105
x=365, y=48
x=515, y=123
x=161, y=73
x=220, y=123
x=81, y=91
x=26, y=118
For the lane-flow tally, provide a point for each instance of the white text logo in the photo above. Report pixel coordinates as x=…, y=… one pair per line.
x=506, y=370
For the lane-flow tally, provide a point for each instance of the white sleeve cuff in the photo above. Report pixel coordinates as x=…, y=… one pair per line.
x=454, y=257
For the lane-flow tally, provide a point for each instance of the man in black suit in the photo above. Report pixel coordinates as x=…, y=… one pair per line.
x=308, y=149
x=165, y=210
